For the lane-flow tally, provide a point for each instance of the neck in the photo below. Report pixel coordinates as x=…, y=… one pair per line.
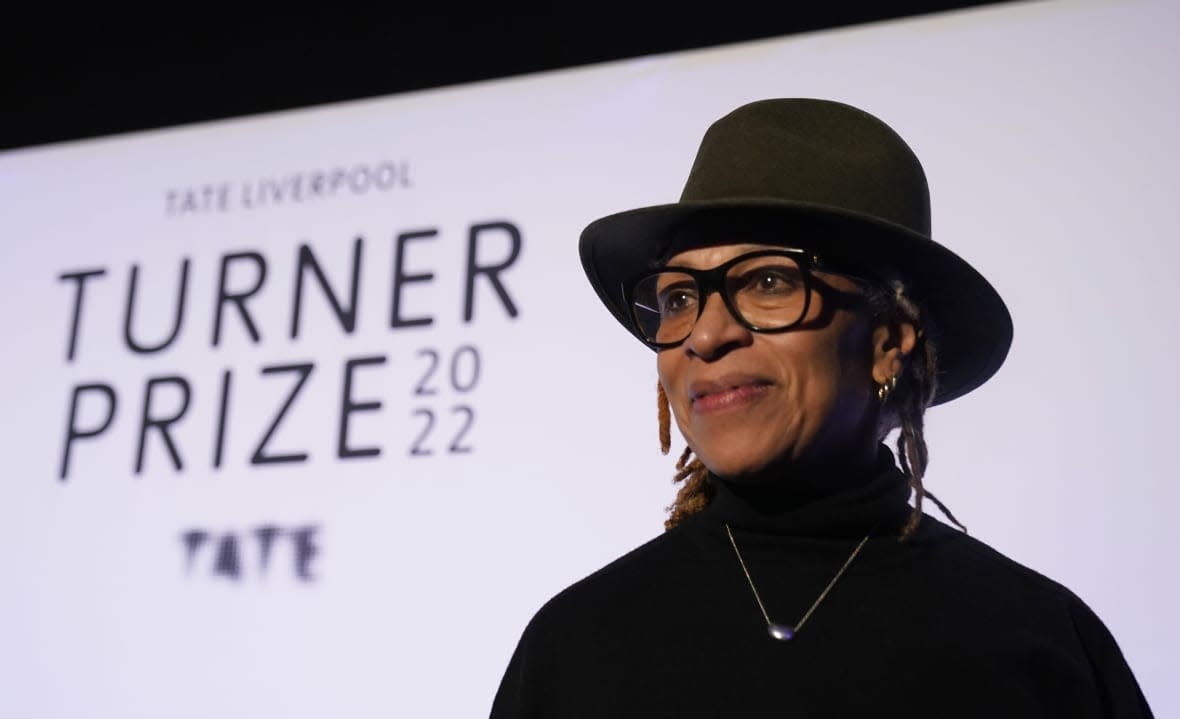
x=828, y=499
x=795, y=481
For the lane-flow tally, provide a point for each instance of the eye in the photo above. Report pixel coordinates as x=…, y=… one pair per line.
x=676, y=300
x=769, y=280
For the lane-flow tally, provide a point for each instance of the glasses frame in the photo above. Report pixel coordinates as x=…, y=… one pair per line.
x=712, y=281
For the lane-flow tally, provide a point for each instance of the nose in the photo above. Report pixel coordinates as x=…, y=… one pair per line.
x=716, y=331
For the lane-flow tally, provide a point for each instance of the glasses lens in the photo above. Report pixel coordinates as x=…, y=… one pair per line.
x=665, y=306
x=768, y=291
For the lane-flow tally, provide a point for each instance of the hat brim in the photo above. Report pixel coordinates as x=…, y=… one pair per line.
x=963, y=314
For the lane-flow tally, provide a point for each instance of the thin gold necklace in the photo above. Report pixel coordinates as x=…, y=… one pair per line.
x=786, y=632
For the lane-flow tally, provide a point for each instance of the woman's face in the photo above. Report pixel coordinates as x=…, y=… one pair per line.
x=746, y=401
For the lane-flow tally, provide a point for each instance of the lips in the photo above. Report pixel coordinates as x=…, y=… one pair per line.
x=724, y=393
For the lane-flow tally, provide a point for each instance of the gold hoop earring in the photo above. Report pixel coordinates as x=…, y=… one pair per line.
x=885, y=388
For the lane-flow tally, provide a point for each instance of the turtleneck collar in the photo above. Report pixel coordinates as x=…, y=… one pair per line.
x=880, y=499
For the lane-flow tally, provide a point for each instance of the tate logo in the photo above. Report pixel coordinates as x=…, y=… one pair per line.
x=259, y=553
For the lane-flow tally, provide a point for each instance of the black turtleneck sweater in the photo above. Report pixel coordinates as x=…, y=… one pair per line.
x=938, y=626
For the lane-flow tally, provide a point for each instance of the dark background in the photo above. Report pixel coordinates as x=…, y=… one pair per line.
x=64, y=76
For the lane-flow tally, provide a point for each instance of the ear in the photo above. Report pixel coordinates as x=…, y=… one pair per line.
x=892, y=344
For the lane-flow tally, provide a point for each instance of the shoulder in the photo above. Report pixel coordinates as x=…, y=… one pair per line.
x=644, y=576
x=1038, y=606
x=1004, y=593
x=966, y=560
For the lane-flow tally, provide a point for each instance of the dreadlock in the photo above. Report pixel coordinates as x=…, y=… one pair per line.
x=903, y=409
x=696, y=491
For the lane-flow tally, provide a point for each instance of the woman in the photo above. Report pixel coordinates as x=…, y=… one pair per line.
x=800, y=311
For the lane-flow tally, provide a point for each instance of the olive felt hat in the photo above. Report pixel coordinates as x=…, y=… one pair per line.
x=825, y=177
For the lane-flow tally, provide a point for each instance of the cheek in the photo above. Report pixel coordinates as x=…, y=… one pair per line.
x=846, y=383
x=856, y=359
x=829, y=375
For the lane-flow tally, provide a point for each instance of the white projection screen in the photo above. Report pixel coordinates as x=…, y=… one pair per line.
x=305, y=414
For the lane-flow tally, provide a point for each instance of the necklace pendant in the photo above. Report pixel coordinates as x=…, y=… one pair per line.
x=781, y=632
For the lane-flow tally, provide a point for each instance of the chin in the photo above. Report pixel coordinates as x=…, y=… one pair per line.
x=741, y=461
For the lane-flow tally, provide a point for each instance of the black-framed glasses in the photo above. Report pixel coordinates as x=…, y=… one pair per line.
x=765, y=291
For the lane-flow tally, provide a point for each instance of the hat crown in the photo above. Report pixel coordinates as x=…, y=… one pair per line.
x=812, y=152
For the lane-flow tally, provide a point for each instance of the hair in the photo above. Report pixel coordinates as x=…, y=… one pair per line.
x=903, y=408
